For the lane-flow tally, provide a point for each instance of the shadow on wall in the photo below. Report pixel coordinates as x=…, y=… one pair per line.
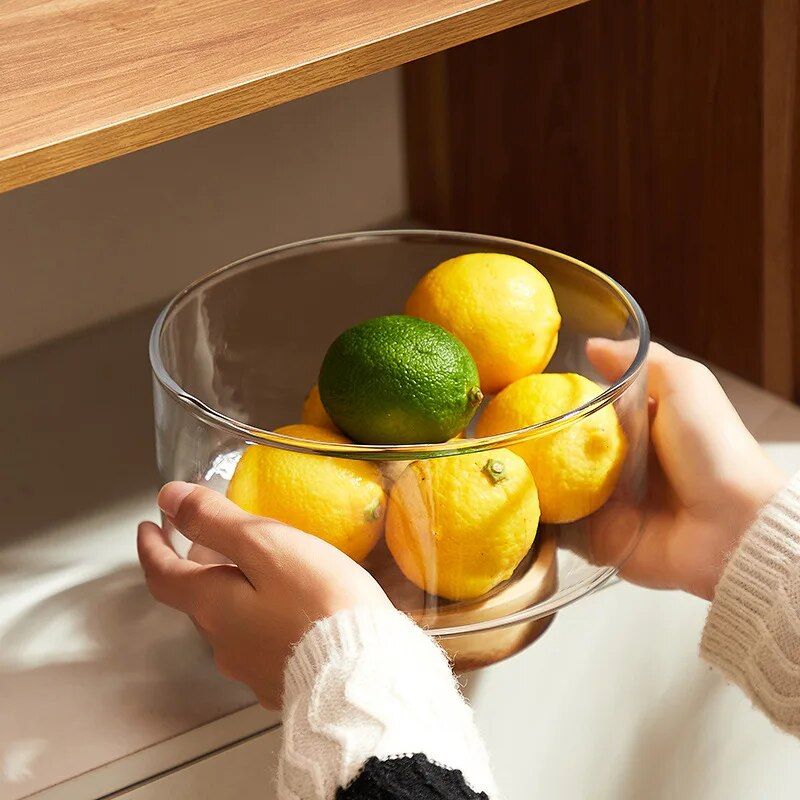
x=76, y=424
x=107, y=239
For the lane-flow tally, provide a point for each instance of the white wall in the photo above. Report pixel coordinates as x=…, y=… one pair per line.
x=84, y=247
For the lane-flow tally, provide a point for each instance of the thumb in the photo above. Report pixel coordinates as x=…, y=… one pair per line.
x=610, y=357
x=212, y=521
x=665, y=369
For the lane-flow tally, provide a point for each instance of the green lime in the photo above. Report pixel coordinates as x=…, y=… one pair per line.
x=399, y=380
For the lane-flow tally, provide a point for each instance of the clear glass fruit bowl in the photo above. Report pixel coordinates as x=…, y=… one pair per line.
x=235, y=354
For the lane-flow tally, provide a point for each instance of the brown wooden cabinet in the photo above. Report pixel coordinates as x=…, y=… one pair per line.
x=655, y=140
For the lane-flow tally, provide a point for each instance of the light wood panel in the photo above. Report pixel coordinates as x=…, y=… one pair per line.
x=657, y=141
x=85, y=80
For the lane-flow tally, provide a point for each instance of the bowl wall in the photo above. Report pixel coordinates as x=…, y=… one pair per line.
x=236, y=353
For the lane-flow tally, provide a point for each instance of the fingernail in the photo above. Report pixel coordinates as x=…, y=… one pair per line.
x=172, y=495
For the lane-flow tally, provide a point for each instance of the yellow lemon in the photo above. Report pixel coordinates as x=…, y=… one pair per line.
x=314, y=412
x=499, y=306
x=392, y=470
x=340, y=500
x=459, y=525
x=576, y=468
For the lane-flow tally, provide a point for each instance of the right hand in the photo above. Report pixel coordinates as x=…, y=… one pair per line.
x=709, y=481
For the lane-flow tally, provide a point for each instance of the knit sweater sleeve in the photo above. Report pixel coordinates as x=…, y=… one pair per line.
x=753, y=628
x=372, y=710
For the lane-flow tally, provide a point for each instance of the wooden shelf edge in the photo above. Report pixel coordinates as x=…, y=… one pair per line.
x=223, y=105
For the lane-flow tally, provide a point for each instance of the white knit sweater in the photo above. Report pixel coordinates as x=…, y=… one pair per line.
x=370, y=683
x=753, y=629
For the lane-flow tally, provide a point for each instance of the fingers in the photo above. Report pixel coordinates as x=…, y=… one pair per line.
x=195, y=589
x=212, y=521
x=611, y=358
x=608, y=536
x=204, y=555
x=171, y=580
x=666, y=371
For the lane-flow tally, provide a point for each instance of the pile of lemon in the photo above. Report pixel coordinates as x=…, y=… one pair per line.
x=483, y=325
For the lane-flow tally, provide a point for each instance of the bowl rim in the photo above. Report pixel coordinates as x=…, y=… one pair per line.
x=256, y=435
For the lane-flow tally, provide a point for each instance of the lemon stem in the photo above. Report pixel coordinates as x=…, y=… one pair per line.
x=495, y=470
x=373, y=511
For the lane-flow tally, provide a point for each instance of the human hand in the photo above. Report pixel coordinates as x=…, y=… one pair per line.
x=708, y=479
x=254, y=610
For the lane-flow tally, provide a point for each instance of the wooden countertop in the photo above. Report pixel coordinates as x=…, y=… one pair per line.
x=82, y=81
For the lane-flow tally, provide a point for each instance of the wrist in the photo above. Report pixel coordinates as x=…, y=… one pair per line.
x=346, y=636
x=742, y=507
x=751, y=625
x=368, y=683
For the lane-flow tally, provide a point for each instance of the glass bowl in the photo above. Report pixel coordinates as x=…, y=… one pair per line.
x=235, y=354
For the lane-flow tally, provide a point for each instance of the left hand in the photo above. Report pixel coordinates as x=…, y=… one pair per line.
x=254, y=610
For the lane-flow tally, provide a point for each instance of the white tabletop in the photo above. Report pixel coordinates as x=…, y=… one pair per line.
x=101, y=688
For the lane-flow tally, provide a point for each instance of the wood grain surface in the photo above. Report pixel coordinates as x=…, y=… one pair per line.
x=657, y=141
x=781, y=181
x=794, y=216
x=84, y=80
